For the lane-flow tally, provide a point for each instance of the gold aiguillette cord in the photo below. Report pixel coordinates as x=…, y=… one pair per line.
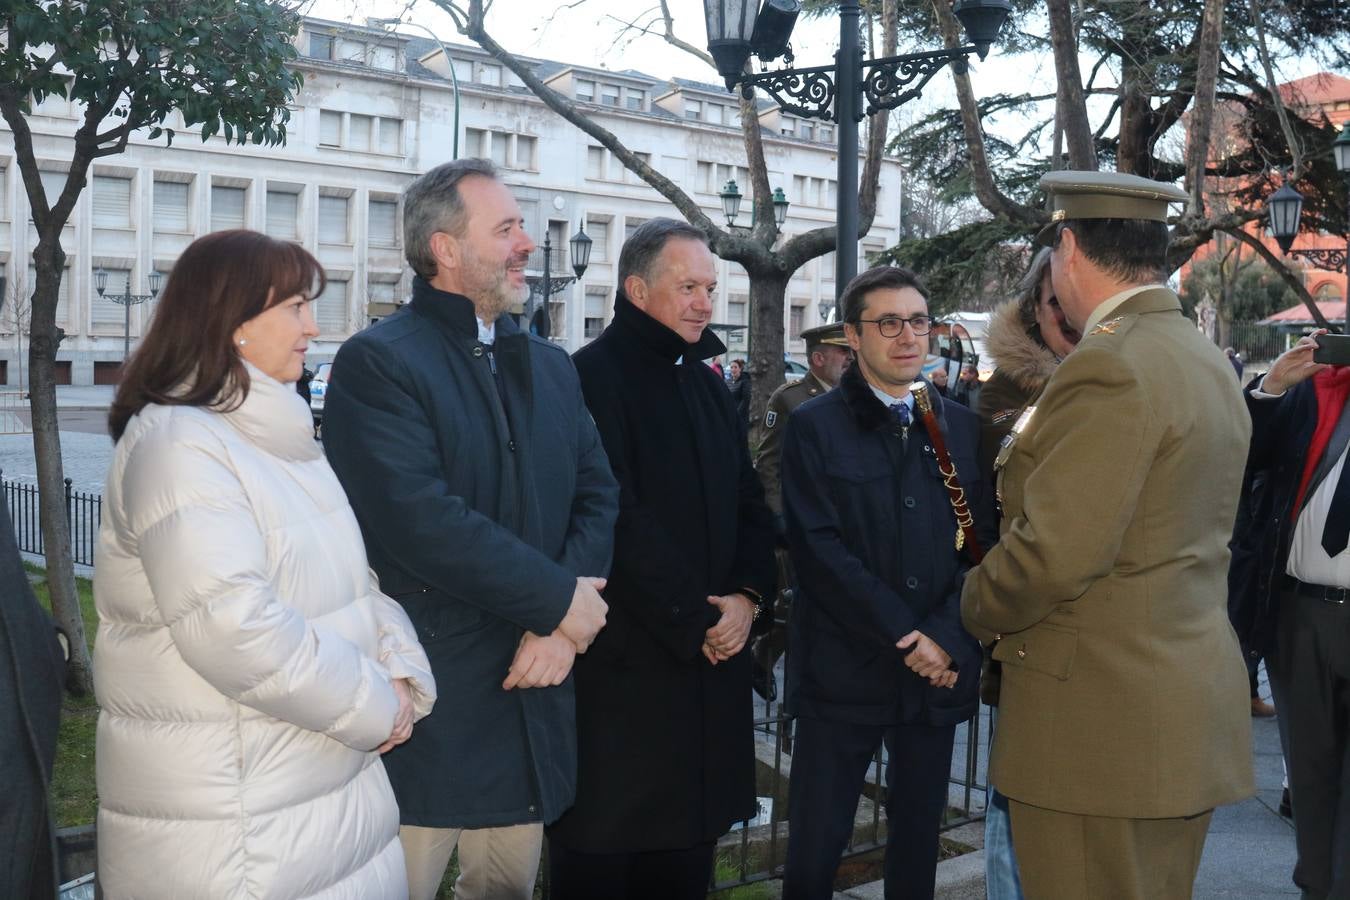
x=965, y=520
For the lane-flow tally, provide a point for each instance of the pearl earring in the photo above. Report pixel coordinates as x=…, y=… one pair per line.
x=243, y=341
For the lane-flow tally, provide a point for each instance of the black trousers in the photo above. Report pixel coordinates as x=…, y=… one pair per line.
x=829, y=766
x=659, y=874
x=1310, y=677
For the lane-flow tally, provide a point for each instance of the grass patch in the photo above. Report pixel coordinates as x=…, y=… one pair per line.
x=74, y=794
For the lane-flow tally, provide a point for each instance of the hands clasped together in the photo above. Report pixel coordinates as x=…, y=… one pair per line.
x=546, y=661
x=725, y=639
x=927, y=660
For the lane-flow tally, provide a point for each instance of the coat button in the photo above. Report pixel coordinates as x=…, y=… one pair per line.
x=911, y=582
x=1022, y=652
x=477, y=352
x=531, y=807
x=674, y=612
x=909, y=503
x=511, y=445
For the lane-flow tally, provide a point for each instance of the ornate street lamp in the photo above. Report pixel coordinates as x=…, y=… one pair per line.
x=1341, y=147
x=836, y=92
x=1284, y=208
x=126, y=300
x=731, y=206
x=548, y=285
x=780, y=207
x=731, y=201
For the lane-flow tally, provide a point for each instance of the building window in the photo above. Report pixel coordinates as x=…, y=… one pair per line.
x=330, y=307
x=796, y=320
x=171, y=207
x=358, y=132
x=333, y=225
x=712, y=113
x=320, y=45
x=382, y=291
x=598, y=229
x=283, y=215
x=227, y=207
x=609, y=94
x=825, y=133
x=806, y=131
x=391, y=136
x=53, y=183
x=526, y=148
x=473, y=141
x=595, y=162
x=585, y=90
x=635, y=99
x=383, y=227
x=491, y=75
x=112, y=202
x=631, y=225
x=501, y=149
x=463, y=70
x=1327, y=291
x=788, y=126
x=330, y=128
x=594, y=320
x=738, y=306
x=693, y=110
x=384, y=58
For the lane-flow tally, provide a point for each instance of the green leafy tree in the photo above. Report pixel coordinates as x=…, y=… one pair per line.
x=1242, y=290
x=128, y=65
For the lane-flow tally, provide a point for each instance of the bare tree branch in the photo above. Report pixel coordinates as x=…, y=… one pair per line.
x=1285, y=273
x=1263, y=51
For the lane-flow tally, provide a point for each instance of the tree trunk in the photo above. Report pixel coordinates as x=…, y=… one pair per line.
x=767, y=291
x=1132, y=154
x=44, y=338
x=1070, y=105
x=1202, y=111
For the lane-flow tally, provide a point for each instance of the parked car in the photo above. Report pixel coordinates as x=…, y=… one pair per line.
x=793, y=370
x=318, y=389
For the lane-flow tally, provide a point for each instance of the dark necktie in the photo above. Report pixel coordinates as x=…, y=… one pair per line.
x=901, y=411
x=1336, y=532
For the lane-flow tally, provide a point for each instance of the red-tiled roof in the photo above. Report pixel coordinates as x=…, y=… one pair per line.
x=1332, y=311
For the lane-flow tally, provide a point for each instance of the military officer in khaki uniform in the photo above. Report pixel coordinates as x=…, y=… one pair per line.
x=827, y=356
x=1123, y=717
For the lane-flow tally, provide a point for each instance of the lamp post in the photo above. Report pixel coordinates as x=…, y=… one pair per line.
x=385, y=21
x=1285, y=207
x=126, y=300
x=837, y=92
x=548, y=285
x=731, y=207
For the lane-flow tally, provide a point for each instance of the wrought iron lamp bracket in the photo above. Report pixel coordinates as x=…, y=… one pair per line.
x=808, y=92
x=1328, y=259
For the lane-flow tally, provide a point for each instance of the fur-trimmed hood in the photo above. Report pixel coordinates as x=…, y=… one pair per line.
x=1016, y=352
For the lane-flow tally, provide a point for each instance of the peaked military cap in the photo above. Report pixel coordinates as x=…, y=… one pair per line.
x=832, y=334
x=1105, y=195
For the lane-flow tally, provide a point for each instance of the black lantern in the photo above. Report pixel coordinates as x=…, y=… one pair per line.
x=1284, y=207
x=155, y=277
x=581, y=250
x=1341, y=147
x=780, y=207
x=773, y=28
x=982, y=21
x=731, y=25
x=731, y=201
x=100, y=281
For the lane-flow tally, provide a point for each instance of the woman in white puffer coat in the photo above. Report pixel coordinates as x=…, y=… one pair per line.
x=248, y=668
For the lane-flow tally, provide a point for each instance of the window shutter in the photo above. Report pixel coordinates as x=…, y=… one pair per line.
x=112, y=202
x=384, y=223
x=171, y=206
x=283, y=214
x=227, y=208
x=391, y=131
x=333, y=221
x=358, y=132
x=331, y=314
x=330, y=128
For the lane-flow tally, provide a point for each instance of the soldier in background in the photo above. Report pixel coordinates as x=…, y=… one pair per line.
x=827, y=356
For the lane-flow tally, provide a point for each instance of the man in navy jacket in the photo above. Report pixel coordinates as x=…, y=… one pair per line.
x=487, y=506
x=877, y=647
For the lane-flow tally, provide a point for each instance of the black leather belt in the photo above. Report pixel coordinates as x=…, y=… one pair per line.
x=1321, y=591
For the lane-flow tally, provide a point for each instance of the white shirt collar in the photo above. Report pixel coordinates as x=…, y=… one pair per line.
x=487, y=333
x=889, y=401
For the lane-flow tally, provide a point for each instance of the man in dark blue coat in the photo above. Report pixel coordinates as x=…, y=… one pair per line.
x=487, y=507
x=876, y=643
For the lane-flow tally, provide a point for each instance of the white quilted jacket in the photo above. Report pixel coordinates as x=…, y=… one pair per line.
x=243, y=665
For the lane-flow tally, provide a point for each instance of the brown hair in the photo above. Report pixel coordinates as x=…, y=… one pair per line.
x=188, y=357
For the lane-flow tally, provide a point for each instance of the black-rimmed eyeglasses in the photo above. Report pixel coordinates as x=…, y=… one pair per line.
x=892, y=326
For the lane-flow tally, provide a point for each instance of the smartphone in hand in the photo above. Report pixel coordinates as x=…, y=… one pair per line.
x=1332, y=349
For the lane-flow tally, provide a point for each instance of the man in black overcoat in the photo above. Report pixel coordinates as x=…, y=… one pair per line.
x=877, y=649
x=31, y=672
x=664, y=723
x=487, y=508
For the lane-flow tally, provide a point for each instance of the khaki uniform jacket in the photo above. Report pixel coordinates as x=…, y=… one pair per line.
x=781, y=404
x=1124, y=692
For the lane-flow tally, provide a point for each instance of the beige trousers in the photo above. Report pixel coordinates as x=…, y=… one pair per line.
x=1062, y=856
x=494, y=863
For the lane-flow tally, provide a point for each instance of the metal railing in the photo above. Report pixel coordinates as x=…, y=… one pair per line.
x=756, y=850
x=84, y=511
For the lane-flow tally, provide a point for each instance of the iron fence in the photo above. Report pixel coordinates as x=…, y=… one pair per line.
x=84, y=511
x=1258, y=344
x=756, y=850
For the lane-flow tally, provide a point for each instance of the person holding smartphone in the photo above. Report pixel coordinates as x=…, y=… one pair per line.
x=1300, y=437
